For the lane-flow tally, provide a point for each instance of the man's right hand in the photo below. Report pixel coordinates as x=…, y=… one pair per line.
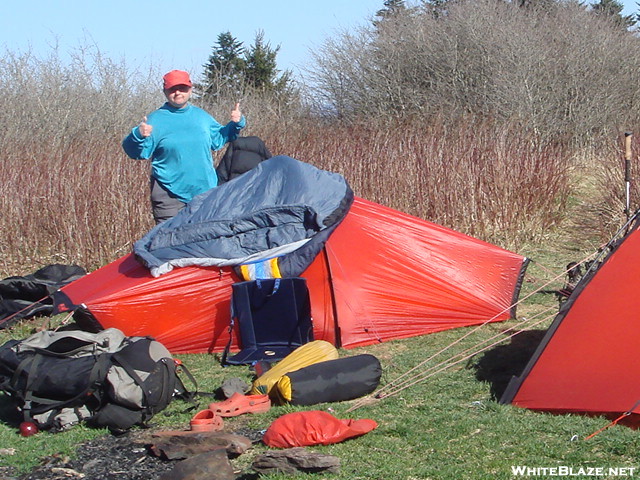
x=144, y=128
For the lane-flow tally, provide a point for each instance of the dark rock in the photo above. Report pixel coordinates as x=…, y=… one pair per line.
x=293, y=460
x=175, y=447
x=234, y=385
x=205, y=466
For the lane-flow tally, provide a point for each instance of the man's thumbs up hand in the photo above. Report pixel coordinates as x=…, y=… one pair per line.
x=144, y=128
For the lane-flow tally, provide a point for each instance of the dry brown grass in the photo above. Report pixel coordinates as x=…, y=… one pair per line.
x=489, y=181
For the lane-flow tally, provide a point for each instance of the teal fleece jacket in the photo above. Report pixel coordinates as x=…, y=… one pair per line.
x=180, y=148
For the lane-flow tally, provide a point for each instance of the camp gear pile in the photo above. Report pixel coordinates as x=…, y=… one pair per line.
x=383, y=275
x=313, y=374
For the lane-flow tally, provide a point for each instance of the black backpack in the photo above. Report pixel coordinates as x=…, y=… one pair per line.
x=57, y=379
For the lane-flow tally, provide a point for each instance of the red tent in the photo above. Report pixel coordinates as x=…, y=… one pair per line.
x=587, y=361
x=382, y=275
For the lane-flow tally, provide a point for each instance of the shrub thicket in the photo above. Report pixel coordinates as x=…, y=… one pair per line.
x=560, y=69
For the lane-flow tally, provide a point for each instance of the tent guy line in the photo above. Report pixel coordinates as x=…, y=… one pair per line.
x=404, y=381
x=8, y=318
x=613, y=422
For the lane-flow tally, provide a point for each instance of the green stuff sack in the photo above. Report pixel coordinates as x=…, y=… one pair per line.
x=303, y=356
x=330, y=381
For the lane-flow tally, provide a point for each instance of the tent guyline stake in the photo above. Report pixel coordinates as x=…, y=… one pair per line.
x=64, y=321
x=613, y=422
x=627, y=172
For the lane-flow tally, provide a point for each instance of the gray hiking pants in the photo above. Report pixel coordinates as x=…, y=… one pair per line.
x=163, y=205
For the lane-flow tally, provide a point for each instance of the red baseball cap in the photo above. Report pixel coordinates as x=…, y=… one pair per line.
x=176, y=77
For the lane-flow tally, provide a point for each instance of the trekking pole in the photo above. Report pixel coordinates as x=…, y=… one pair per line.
x=627, y=171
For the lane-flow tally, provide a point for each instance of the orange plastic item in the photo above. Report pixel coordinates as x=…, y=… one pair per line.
x=315, y=427
x=206, y=421
x=238, y=404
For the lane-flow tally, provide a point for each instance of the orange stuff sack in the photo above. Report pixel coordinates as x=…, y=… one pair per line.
x=302, y=429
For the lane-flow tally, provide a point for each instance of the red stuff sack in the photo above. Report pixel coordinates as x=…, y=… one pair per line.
x=301, y=429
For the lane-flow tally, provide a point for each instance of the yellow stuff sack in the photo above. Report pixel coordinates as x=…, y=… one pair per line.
x=303, y=356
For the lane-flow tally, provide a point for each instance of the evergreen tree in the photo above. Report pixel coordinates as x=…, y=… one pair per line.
x=225, y=67
x=260, y=64
x=235, y=68
x=613, y=9
x=391, y=8
x=261, y=70
x=437, y=8
x=542, y=5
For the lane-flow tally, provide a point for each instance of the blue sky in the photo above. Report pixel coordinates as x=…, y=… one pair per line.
x=175, y=34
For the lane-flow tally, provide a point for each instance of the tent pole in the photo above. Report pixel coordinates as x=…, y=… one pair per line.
x=334, y=307
x=627, y=171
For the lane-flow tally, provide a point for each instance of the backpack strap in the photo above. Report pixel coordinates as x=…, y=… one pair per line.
x=184, y=392
x=227, y=348
x=149, y=410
